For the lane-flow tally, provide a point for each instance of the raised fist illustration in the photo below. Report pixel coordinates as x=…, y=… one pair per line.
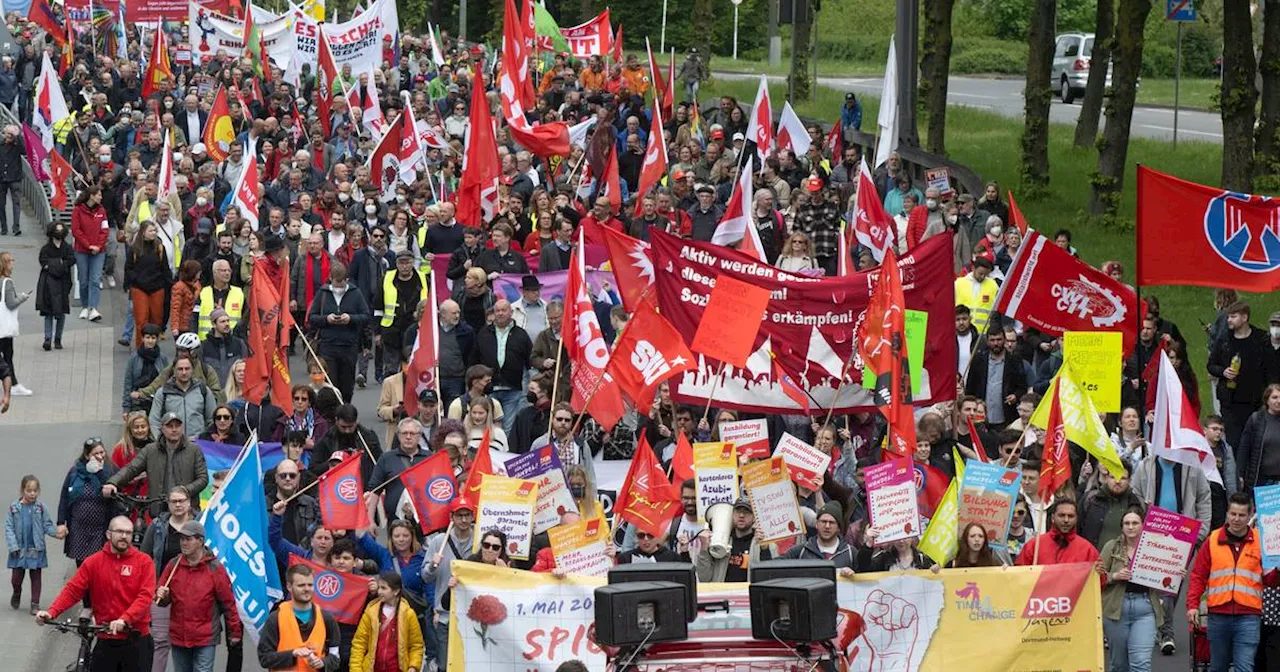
x=892, y=627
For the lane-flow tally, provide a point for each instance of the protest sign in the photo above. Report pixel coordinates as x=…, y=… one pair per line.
x=543, y=467
x=916, y=324
x=541, y=621
x=1163, y=550
x=507, y=504
x=939, y=178
x=715, y=468
x=807, y=464
x=1096, y=359
x=730, y=321
x=941, y=538
x=749, y=437
x=214, y=33
x=807, y=326
x=773, y=500
x=1267, y=501
x=579, y=547
x=891, y=500
x=987, y=494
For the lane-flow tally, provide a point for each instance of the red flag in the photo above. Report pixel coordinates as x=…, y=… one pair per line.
x=833, y=145
x=584, y=343
x=478, y=190
x=326, y=73
x=218, y=130
x=516, y=90
x=1055, y=465
x=61, y=174
x=655, y=160
x=431, y=488
x=1054, y=292
x=483, y=464
x=411, y=153
x=872, y=226
x=1234, y=238
x=736, y=224
x=931, y=486
x=245, y=192
x=337, y=593
x=882, y=344
x=158, y=67
x=791, y=132
x=649, y=351
x=977, y=441
x=661, y=88
x=682, y=460
x=617, y=45
x=611, y=182
x=265, y=309
x=789, y=387
x=41, y=14
x=384, y=163
x=593, y=38
x=1015, y=215
x=760, y=125
x=420, y=375
x=341, y=495
x=631, y=263
x=644, y=500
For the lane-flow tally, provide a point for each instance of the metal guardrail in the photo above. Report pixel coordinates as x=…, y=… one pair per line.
x=34, y=192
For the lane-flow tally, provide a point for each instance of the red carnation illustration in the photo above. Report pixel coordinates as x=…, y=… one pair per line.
x=791, y=526
x=513, y=547
x=488, y=611
x=560, y=510
x=1167, y=582
x=907, y=528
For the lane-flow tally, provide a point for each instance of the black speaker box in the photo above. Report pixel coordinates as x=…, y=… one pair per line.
x=675, y=572
x=799, y=610
x=643, y=611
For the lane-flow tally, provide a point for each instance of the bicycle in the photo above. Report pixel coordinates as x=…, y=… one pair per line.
x=83, y=628
x=133, y=506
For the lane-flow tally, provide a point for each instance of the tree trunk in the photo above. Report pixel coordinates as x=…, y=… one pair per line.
x=1038, y=96
x=1239, y=95
x=703, y=18
x=1108, y=181
x=1091, y=106
x=1267, y=151
x=935, y=68
x=588, y=10
x=800, y=53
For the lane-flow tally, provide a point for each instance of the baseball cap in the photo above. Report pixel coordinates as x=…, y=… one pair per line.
x=848, y=96
x=1275, y=317
x=461, y=503
x=704, y=189
x=404, y=254
x=813, y=184
x=742, y=503
x=428, y=397
x=192, y=528
x=678, y=175
x=170, y=417
x=738, y=137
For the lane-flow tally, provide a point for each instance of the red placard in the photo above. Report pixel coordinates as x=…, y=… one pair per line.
x=729, y=324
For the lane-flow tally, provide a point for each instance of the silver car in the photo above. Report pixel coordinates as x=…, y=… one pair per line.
x=1071, y=56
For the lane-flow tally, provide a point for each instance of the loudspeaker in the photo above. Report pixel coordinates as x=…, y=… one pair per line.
x=769, y=570
x=628, y=614
x=681, y=573
x=720, y=520
x=800, y=610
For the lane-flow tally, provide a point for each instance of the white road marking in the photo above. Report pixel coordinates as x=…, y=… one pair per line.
x=1182, y=130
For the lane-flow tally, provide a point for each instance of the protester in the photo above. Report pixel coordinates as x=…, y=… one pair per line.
x=388, y=636
x=975, y=549
x=1061, y=544
x=196, y=589
x=89, y=228
x=442, y=549
x=171, y=460
x=53, y=288
x=162, y=542
x=1245, y=363
x=1258, y=452
x=83, y=508
x=744, y=549
x=339, y=315
x=1131, y=613
x=299, y=633
x=1102, y=509
x=828, y=543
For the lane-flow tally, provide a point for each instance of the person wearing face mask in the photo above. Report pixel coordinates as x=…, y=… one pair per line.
x=532, y=421
x=928, y=220
x=53, y=288
x=82, y=510
x=12, y=153
x=201, y=207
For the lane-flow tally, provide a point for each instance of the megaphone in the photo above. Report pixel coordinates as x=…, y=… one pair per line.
x=720, y=520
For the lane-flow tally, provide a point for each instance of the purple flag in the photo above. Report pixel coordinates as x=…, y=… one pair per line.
x=36, y=153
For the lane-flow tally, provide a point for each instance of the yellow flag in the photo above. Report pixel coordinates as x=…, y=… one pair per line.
x=941, y=539
x=1084, y=427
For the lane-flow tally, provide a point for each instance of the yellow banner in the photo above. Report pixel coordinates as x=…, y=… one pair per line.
x=941, y=539
x=715, y=469
x=1096, y=361
x=507, y=504
x=1084, y=427
x=1025, y=619
x=314, y=9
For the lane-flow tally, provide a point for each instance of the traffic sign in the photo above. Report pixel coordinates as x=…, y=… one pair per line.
x=1180, y=10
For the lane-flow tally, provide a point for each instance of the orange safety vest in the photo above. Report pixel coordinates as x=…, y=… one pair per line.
x=1233, y=579
x=291, y=634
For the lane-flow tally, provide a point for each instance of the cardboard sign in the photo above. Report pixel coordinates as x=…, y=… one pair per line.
x=1096, y=360
x=715, y=469
x=1163, y=550
x=579, y=548
x=807, y=464
x=891, y=500
x=749, y=437
x=940, y=179
x=1267, y=501
x=773, y=500
x=507, y=504
x=543, y=466
x=987, y=494
x=729, y=324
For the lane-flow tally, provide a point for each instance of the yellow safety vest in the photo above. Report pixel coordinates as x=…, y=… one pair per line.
x=421, y=237
x=979, y=301
x=234, y=305
x=389, y=299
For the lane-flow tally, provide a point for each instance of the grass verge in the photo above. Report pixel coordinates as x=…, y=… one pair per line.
x=1193, y=94
x=989, y=144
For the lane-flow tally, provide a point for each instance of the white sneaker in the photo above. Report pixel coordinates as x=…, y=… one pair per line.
x=111, y=281
x=94, y=315
x=84, y=313
x=20, y=391
x=99, y=284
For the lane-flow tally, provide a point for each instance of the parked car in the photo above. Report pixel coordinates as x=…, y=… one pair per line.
x=1071, y=60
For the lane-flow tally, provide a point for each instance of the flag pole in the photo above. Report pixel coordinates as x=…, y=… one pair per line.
x=577, y=422
x=301, y=490
x=711, y=396
x=320, y=363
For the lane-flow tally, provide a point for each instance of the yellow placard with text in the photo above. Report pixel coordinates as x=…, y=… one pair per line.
x=773, y=499
x=507, y=504
x=1097, y=358
x=579, y=548
x=715, y=469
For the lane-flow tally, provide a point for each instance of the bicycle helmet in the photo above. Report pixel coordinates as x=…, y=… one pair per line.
x=188, y=341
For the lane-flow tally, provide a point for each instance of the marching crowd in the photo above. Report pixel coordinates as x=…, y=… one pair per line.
x=360, y=270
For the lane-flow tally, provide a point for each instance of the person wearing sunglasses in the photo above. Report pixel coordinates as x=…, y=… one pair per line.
x=442, y=549
x=571, y=449
x=223, y=428
x=653, y=548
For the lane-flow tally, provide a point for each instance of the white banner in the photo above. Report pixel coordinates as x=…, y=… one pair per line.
x=357, y=42
x=212, y=33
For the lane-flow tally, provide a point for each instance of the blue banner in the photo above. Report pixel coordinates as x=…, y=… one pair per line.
x=987, y=494
x=1267, y=501
x=236, y=532
x=222, y=457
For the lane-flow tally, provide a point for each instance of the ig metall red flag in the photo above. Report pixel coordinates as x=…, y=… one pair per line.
x=341, y=495
x=431, y=487
x=337, y=593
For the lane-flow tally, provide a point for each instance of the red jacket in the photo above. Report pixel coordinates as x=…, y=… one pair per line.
x=917, y=223
x=194, y=594
x=544, y=561
x=89, y=227
x=1077, y=549
x=119, y=585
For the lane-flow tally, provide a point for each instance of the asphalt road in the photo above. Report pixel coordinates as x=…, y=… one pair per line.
x=1004, y=97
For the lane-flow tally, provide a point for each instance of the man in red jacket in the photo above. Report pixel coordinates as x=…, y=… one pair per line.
x=196, y=585
x=120, y=581
x=1060, y=545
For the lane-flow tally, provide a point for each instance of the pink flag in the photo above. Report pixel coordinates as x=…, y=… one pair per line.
x=36, y=153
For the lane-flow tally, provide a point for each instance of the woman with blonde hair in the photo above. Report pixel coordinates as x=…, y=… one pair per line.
x=137, y=434
x=797, y=254
x=474, y=297
x=10, y=299
x=479, y=418
x=233, y=389
x=147, y=274
x=583, y=489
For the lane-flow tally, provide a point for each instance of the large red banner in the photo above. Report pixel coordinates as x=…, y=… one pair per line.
x=809, y=326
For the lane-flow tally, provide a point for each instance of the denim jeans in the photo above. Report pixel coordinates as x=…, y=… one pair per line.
x=1233, y=640
x=126, y=334
x=50, y=322
x=196, y=659
x=1133, y=636
x=512, y=401
x=160, y=637
x=442, y=644
x=89, y=270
